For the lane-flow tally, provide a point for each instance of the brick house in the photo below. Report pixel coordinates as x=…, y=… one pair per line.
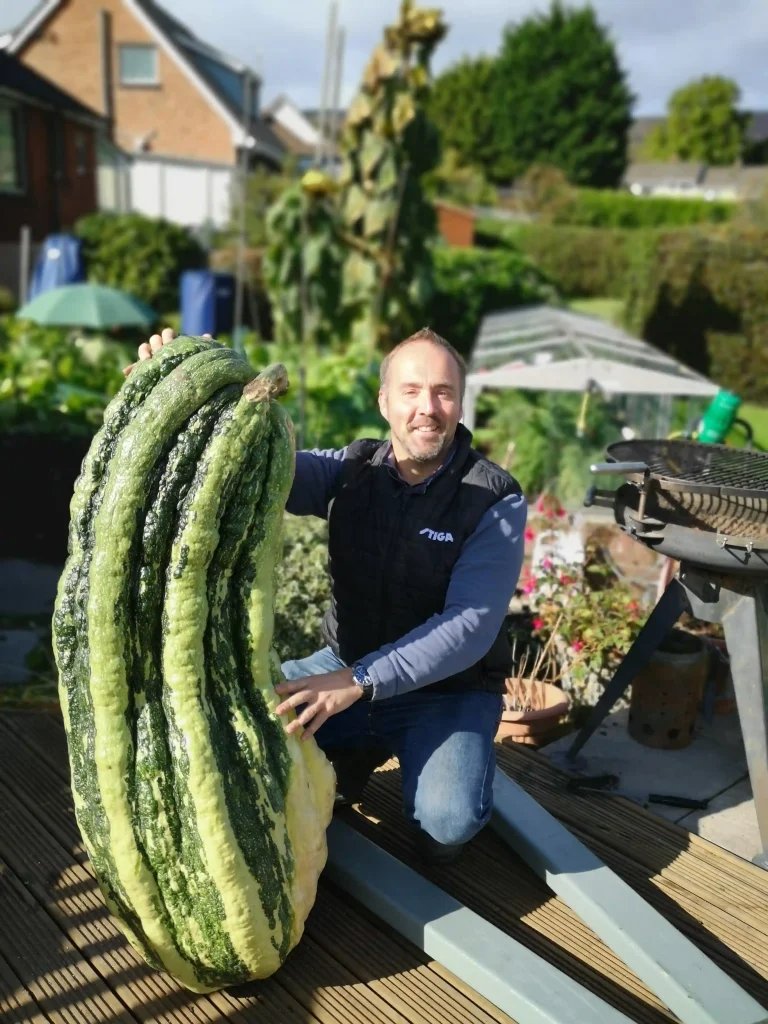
x=180, y=111
x=48, y=144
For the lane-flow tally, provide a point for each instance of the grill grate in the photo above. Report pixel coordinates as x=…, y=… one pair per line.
x=708, y=468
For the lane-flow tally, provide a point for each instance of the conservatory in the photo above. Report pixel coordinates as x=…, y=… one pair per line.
x=543, y=348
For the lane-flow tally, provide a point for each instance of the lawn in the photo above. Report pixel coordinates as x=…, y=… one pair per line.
x=757, y=417
x=606, y=309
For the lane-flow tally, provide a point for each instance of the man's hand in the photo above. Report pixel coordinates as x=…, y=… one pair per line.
x=324, y=696
x=155, y=343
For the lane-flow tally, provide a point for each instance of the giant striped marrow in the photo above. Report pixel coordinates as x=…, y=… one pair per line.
x=203, y=819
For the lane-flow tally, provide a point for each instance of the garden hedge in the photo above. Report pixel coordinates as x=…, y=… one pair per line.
x=142, y=255
x=604, y=208
x=702, y=296
x=580, y=262
x=472, y=282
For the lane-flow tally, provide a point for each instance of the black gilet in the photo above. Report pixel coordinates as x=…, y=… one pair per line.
x=392, y=549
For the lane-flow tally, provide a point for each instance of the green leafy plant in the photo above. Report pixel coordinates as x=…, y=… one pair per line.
x=470, y=283
x=303, y=590
x=459, y=183
x=594, y=615
x=387, y=145
x=353, y=258
x=533, y=435
x=51, y=382
x=303, y=266
x=144, y=256
x=339, y=395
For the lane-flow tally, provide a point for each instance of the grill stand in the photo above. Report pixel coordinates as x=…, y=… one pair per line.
x=740, y=604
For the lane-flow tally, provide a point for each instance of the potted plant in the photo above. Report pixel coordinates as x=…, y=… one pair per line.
x=534, y=708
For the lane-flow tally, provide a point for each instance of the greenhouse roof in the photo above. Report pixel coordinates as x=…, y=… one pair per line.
x=547, y=349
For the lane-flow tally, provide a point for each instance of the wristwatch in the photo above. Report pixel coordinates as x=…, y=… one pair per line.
x=363, y=680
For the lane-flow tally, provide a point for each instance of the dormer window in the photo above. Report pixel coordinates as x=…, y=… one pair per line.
x=139, y=64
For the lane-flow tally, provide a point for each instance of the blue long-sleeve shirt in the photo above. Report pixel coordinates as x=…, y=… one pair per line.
x=481, y=584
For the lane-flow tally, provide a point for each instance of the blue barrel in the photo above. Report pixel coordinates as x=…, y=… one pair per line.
x=207, y=302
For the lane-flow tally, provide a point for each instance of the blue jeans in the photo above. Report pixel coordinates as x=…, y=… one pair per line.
x=444, y=742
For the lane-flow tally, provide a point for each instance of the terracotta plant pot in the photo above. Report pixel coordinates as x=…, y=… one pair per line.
x=549, y=704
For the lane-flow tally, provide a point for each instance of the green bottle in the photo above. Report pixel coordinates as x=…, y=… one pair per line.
x=719, y=417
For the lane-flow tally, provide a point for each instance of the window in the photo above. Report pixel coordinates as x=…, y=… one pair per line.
x=11, y=165
x=138, y=65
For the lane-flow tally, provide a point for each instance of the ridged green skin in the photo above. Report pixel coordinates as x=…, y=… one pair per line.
x=184, y=780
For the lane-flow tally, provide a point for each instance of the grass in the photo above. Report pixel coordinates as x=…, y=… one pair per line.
x=757, y=417
x=605, y=309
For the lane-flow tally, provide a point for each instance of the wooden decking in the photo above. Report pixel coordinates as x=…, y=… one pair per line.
x=63, y=959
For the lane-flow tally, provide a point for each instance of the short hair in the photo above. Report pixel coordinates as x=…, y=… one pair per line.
x=425, y=334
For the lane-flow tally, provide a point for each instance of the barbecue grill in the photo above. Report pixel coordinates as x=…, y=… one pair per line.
x=707, y=507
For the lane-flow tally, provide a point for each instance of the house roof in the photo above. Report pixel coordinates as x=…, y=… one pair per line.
x=291, y=125
x=208, y=67
x=758, y=128
x=18, y=79
x=675, y=172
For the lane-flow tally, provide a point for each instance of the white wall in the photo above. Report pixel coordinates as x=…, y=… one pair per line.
x=187, y=194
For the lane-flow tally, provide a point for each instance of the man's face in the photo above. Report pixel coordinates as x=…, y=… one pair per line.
x=421, y=400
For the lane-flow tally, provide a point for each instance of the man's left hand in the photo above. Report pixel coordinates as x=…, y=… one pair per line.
x=324, y=696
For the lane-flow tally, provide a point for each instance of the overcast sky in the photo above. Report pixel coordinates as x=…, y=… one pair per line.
x=662, y=43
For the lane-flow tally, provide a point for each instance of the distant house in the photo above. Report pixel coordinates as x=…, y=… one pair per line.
x=297, y=133
x=181, y=112
x=665, y=179
x=48, y=144
x=696, y=180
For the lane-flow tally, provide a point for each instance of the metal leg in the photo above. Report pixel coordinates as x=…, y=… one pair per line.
x=661, y=620
x=746, y=634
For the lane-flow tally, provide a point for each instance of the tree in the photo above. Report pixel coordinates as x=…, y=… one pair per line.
x=561, y=98
x=703, y=123
x=460, y=108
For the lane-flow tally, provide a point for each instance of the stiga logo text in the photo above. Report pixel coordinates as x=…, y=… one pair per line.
x=434, y=535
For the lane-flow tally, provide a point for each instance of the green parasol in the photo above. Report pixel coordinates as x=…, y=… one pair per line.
x=87, y=305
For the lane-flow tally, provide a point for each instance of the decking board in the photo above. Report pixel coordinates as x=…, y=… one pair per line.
x=346, y=970
x=349, y=968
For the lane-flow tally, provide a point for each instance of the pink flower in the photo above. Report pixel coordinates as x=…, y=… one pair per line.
x=540, y=504
x=530, y=586
x=529, y=533
x=577, y=645
x=538, y=623
x=561, y=512
x=546, y=563
x=565, y=580
x=550, y=514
